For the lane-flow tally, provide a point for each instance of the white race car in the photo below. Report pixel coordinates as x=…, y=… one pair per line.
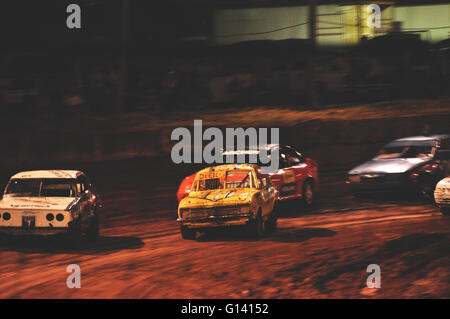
x=442, y=195
x=50, y=202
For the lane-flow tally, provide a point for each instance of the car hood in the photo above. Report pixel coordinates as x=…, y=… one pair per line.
x=57, y=203
x=444, y=184
x=221, y=197
x=388, y=166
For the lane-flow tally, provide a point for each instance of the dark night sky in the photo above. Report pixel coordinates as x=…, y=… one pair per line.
x=32, y=24
x=29, y=25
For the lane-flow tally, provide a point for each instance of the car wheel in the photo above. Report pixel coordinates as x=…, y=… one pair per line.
x=271, y=224
x=426, y=188
x=445, y=211
x=93, y=229
x=359, y=195
x=309, y=195
x=256, y=227
x=75, y=236
x=187, y=233
x=5, y=239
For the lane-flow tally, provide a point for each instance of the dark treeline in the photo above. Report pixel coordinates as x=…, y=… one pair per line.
x=45, y=68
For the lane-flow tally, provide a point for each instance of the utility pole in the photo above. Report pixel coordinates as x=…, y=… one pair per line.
x=312, y=94
x=358, y=22
x=123, y=54
x=312, y=23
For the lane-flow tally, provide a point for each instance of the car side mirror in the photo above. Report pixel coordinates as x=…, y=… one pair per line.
x=283, y=163
x=442, y=155
x=85, y=194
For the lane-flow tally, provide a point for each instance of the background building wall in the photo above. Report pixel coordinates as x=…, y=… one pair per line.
x=337, y=25
x=241, y=21
x=330, y=25
x=416, y=18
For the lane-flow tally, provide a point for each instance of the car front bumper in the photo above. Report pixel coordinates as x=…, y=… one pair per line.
x=44, y=231
x=384, y=183
x=217, y=221
x=374, y=186
x=442, y=198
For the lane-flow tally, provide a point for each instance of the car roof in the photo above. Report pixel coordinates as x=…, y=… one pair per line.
x=240, y=152
x=256, y=149
x=423, y=138
x=229, y=167
x=48, y=174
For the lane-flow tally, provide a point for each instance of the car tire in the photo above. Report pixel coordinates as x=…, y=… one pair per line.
x=5, y=239
x=187, y=233
x=82, y=233
x=359, y=195
x=271, y=224
x=256, y=226
x=426, y=188
x=445, y=211
x=76, y=237
x=93, y=229
x=308, y=195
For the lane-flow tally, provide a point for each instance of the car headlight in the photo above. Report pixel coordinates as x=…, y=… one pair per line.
x=185, y=213
x=442, y=189
x=75, y=214
x=354, y=178
x=241, y=209
x=244, y=209
x=394, y=177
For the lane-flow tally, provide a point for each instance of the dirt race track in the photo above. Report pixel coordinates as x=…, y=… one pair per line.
x=318, y=254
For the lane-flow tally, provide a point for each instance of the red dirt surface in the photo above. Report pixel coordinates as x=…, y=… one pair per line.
x=318, y=254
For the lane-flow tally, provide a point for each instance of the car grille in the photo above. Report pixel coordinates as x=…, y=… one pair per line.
x=442, y=197
x=443, y=201
x=380, y=178
x=372, y=178
x=212, y=212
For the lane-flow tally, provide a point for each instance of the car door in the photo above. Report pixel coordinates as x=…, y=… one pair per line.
x=294, y=169
x=299, y=168
x=287, y=174
x=265, y=195
x=444, y=164
x=87, y=197
x=272, y=193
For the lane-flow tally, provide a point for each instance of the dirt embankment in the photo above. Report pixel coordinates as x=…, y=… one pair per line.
x=335, y=136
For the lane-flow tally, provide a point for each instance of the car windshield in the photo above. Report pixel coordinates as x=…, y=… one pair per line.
x=231, y=157
x=238, y=179
x=229, y=179
x=406, y=151
x=253, y=157
x=47, y=187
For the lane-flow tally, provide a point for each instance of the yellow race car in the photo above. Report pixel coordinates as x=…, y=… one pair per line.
x=229, y=195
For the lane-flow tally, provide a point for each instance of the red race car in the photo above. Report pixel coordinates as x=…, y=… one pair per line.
x=296, y=178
